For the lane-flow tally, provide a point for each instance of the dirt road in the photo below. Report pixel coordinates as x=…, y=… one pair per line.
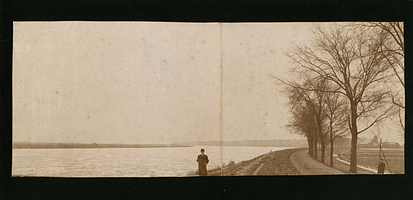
x=308, y=166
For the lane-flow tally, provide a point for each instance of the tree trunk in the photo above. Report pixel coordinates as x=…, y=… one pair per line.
x=331, y=143
x=353, y=158
x=322, y=143
x=323, y=150
x=331, y=152
x=320, y=138
x=310, y=145
x=315, y=145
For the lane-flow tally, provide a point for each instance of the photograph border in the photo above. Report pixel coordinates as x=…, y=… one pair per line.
x=292, y=187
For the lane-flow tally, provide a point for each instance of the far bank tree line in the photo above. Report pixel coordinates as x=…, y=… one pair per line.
x=350, y=78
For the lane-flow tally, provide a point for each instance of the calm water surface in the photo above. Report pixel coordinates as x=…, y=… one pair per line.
x=125, y=162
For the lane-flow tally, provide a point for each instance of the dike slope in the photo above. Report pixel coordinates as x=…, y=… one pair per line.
x=272, y=163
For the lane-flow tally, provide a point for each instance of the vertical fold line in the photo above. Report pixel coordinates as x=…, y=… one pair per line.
x=220, y=115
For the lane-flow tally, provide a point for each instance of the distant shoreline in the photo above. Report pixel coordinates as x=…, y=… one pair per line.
x=246, y=143
x=27, y=145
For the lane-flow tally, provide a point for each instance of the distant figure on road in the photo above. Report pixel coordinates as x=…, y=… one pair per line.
x=202, y=162
x=381, y=167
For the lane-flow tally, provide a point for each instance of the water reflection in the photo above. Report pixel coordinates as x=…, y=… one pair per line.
x=124, y=162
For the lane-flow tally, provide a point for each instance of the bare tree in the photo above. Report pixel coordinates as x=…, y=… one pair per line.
x=307, y=103
x=314, y=95
x=302, y=123
x=355, y=64
x=390, y=36
x=335, y=111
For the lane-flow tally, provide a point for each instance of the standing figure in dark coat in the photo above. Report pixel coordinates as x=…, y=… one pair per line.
x=381, y=167
x=202, y=162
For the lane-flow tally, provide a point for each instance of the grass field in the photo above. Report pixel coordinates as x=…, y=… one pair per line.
x=370, y=157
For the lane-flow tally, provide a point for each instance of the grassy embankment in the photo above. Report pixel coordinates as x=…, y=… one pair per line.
x=272, y=163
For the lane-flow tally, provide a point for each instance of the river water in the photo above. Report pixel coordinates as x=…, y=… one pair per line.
x=125, y=162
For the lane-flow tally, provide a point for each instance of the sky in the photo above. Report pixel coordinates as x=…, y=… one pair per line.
x=253, y=105
x=151, y=82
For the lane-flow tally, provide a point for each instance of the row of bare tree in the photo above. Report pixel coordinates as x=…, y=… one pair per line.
x=350, y=78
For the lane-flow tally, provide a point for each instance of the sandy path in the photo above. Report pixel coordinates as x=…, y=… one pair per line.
x=308, y=166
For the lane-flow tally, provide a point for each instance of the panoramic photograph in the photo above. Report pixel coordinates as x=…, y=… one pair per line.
x=168, y=99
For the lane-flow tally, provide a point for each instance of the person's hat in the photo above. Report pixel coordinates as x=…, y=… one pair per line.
x=202, y=150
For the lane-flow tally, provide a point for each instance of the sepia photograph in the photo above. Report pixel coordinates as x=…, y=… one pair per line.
x=186, y=99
